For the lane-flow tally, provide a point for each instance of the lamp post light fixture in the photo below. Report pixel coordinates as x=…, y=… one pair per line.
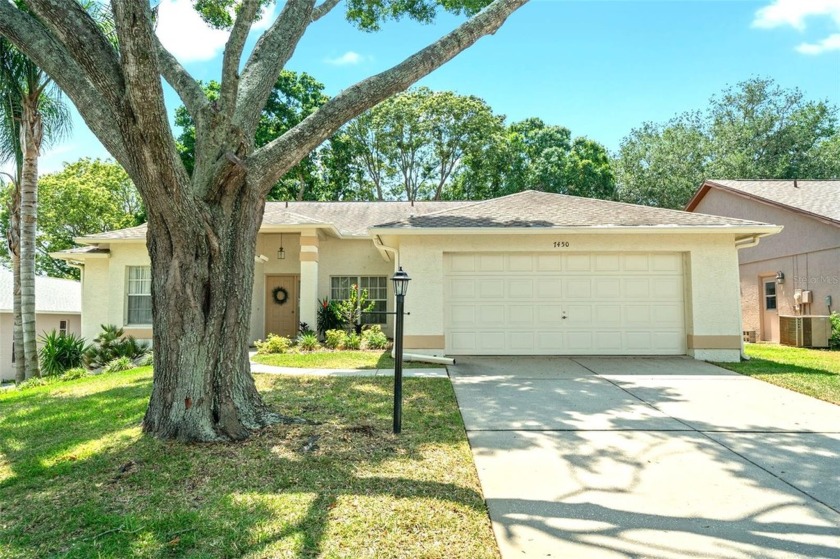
x=400, y=280
x=281, y=254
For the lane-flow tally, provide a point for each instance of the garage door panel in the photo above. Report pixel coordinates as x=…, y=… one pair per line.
x=613, y=303
x=521, y=288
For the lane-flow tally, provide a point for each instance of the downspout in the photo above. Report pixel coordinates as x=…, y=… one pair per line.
x=739, y=244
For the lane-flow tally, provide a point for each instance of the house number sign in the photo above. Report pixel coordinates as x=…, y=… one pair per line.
x=561, y=244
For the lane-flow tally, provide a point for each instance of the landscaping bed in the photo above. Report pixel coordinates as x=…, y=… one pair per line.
x=337, y=359
x=813, y=372
x=79, y=480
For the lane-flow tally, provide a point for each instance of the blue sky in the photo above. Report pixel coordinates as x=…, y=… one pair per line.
x=597, y=67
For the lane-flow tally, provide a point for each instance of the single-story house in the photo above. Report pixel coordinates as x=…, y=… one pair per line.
x=58, y=306
x=526, y=274
x=794, y=273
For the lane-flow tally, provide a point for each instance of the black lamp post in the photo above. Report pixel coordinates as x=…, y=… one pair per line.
x=400, y=280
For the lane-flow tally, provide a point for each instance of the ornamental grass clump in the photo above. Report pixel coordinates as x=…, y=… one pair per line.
x=308, y=341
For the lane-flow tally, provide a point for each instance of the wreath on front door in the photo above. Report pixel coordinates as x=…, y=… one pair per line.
x=280, y=295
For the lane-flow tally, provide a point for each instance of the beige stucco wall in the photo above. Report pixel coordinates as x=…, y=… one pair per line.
x=104, y=280
x=43, y=323
x=807, y=251
x=712, y=298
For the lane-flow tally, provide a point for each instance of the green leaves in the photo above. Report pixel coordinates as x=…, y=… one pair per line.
x=369, y=15
x=755, y=130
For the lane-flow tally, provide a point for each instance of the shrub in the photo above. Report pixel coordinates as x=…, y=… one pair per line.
x=374, y=338
x=351, y=309
x=303, y=328
x=354, y=341
x=834, y=341
x=37, y=381
x=61, y=352
x=308, y=341
x=73, y=374
x=273, y=344
x=147, y=361
x=336, y=339
x=119, y=364
x=329, y=316
x=112, y=343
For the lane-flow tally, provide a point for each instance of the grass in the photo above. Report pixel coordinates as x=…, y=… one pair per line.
x=78, y=480
x=810, y=371
x=345, y=359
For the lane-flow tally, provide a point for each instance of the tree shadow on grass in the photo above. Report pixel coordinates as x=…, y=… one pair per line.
x=265, y=497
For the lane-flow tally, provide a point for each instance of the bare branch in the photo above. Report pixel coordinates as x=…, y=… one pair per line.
x=324, y=8
x=233, y=54
x=270, y=55
x=181, y=81
x=30, y=36
x=273, y=160
x=85, y=41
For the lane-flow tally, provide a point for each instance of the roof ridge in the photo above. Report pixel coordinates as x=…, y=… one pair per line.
x=468, y=205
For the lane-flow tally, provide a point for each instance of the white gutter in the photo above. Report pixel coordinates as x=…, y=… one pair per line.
x=762, y=230
x=384, y=249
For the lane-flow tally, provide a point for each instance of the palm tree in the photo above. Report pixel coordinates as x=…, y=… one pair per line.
x=32, y=114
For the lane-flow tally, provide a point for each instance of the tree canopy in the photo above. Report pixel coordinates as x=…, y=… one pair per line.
x=754, y=130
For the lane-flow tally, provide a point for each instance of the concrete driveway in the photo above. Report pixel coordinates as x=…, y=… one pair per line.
x=649, y=457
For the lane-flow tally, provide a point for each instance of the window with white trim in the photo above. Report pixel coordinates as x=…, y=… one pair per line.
x=377, y=293
x=62, y=327
x=139, y=291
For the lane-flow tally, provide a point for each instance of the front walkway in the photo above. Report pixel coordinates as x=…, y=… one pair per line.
x=407, y=373
x=656, y=458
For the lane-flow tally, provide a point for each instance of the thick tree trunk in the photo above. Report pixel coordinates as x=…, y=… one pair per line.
x=203, y=273
x=31, y=134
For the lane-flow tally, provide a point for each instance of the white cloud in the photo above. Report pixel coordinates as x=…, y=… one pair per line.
x=794, y=13
x=830, y=43
x=349, y=58
x=185, y=35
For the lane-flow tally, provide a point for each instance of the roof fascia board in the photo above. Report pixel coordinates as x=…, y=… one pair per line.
x=596, y=230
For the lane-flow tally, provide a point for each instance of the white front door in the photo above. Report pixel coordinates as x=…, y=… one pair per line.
x=564, y=304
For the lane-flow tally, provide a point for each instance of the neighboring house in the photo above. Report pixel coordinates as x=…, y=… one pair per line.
x=529, y=273
x=58, y=306
x=805, y=257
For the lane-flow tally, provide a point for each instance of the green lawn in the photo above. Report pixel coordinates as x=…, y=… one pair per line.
x=78, y=480
x=347, y=359
x=810, y=371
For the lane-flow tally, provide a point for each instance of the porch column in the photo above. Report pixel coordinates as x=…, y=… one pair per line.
x=309, y=278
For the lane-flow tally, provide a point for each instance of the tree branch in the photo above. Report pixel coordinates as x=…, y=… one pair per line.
x=273, y=160
x=233, y=54
x=270, y=55
x=324, y=8
x=182, y=82
x=145, y=123
x=85, y=42
x=35, y=41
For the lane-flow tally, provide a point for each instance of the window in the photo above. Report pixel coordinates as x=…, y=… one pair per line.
x=770, y=295
x=62, y=327
x=139, y=295
x=377, y=290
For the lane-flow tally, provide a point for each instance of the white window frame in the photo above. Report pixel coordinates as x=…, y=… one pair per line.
x=138, y=289
x=62, y=327
x=380, y=303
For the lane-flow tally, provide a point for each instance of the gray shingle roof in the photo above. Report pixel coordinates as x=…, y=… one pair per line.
x=524, y=209
x=531, y=209
x=52, y=295
x=820, y=198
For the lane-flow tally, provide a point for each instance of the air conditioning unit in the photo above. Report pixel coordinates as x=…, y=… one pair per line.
x=804, y=331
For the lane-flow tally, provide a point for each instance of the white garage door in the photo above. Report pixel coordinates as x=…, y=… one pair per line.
x=564, y=304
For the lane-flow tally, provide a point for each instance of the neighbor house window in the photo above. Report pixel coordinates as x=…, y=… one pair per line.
x=139, y=295
x=62, y=327
x=377, y=293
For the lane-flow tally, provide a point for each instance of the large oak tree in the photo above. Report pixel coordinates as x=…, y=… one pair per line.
x=203, y=226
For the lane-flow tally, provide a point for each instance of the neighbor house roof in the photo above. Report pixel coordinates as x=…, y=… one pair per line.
x=532, y=209
x=52, y=295
x=819, y=199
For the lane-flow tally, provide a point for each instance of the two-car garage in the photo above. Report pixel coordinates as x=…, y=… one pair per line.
x=574, y=303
